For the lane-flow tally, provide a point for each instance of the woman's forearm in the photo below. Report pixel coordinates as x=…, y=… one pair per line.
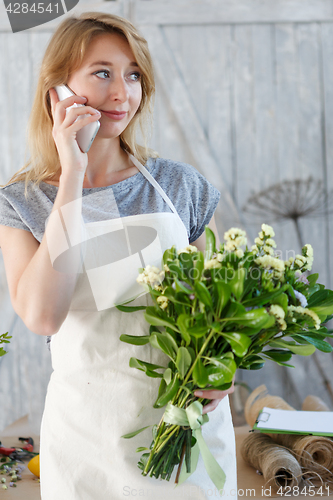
x=46, y=287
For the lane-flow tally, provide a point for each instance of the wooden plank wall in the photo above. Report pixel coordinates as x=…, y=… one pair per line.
x=256, y=82
x=258, y=91
x=262, y=93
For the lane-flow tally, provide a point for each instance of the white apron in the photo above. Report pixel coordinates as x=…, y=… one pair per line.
x=94, y=397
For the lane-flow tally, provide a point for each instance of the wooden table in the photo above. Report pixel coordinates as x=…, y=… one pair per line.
x=250, y=484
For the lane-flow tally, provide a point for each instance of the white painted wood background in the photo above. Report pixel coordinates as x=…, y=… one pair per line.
x=245, y=94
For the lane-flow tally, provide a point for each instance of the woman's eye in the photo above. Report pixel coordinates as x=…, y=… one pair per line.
x=102, y=73
x=135, y=77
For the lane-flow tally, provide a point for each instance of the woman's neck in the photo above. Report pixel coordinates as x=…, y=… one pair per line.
x=107, y=164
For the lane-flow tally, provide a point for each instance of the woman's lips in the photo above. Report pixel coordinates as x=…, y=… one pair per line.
x=115, y=115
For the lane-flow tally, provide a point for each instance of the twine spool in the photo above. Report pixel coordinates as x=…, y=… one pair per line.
x=260, y=398
x=313, y=403
x=313, y=453
x=278, y=466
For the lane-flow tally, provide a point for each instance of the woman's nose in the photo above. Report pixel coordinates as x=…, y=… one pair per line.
x=118, y=89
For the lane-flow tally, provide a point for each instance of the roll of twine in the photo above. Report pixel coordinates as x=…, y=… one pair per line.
x=313, y=453
x=313, y=403
x=260, y=398
x=278, y=466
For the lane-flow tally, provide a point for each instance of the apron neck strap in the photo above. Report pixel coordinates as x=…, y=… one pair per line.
x=151, y=179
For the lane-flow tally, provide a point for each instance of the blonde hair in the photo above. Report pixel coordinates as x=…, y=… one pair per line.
x=64, y=55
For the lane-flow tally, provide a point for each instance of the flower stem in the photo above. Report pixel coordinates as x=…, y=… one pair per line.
x=202, y=350
x=180, y=463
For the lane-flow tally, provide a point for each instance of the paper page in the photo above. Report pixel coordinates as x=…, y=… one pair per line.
x=306, y=422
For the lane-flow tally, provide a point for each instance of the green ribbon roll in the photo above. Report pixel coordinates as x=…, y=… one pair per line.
x=192, y=417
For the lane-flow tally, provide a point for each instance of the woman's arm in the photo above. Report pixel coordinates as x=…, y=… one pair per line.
x=41, y=293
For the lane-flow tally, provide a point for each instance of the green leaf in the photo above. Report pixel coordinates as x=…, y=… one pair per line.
x=315, y=288
x=198, y=331
x=323, y=309
x=143, y=461
x=181, y=288
x=203, y=294
x=282, y=300
x=163, y=343
x=169, y=254
x=223, y=291
x=156, y=319
x=302, y=350
x=182, y=323
x=176, y=271
x=167, y=376
x=4, y=336
x=162, y=386
x=186, y=261
x=148, y=368
x=135, y=339
x=237, y=283
x=235, y=309
x=134, y=433
x=254, y=318
x=198, y=266
x=266, y=297
x=183, y=361
x=222, y=371
x=210, y=243
x=129, y=309
x=321, y=345
x=312, y=278
x=278, y=355
x=170, y=392
x=177, y=298
x=253, y=362
x=239, y=342
x=223, y=387
x=172, y=342
x=200, y=374
x=321, y=298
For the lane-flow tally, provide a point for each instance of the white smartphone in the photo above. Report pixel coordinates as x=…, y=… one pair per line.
x=87, y=134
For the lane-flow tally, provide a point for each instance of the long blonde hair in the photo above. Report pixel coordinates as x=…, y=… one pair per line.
x=64, y=55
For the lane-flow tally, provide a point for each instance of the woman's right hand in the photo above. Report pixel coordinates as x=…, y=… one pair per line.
x=65, y=128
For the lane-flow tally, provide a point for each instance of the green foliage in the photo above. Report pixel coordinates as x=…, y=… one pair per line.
x=221, y=310
x=4, y=339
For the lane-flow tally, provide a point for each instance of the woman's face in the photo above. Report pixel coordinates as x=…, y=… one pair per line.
x=110, y=79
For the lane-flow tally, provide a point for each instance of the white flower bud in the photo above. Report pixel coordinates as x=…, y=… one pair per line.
x=268, y=230
x=259, y=241
x=239, y=253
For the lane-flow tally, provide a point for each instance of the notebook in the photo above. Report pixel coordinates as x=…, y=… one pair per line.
x=272, y=420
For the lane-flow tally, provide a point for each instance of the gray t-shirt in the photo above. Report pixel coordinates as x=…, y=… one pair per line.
x=194, y=198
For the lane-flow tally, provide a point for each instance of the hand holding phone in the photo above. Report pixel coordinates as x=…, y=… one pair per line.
x=87, y=134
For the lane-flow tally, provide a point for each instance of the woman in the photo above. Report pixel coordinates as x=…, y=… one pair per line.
x=105, y=215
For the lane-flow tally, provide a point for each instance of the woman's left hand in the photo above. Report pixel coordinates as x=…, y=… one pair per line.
x=213, y=394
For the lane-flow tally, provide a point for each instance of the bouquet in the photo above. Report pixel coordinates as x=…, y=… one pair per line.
x=230, y=308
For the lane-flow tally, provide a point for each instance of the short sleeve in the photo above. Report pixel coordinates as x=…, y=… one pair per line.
x=203, y=202
x=193, y=196
x=8, y=214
